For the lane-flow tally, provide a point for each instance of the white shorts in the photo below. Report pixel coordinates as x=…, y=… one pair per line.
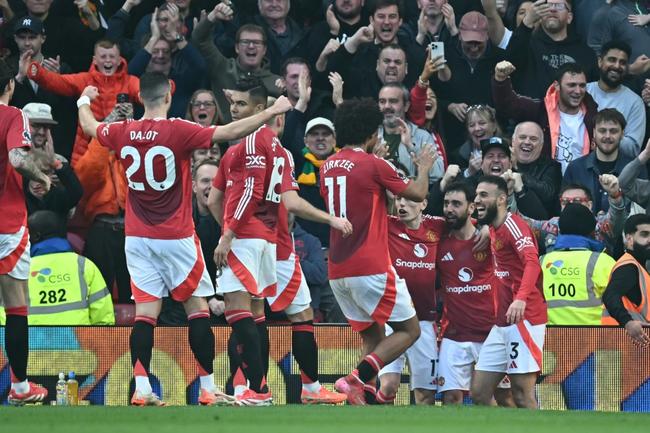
x=14, y=254
x=161, y=267
x=422, y=358
x=251, y=267
x=292, y=295
x=456, y=362
x=513, y=349
x=369, y=299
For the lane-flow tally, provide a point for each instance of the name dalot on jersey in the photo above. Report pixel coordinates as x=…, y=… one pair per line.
x=143, y=135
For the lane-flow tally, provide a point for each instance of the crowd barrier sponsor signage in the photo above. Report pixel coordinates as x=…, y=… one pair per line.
x=584, y=368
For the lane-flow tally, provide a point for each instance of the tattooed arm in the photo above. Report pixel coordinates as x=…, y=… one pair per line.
x=23, y=161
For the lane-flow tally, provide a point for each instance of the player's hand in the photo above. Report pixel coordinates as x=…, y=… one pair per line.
x=425, y=159
x=503, y=70
x=217, y=306
x=281, y=105
x=636, y=332
x=516, y=311
x=91, y=92
x=482, y=239
x=221, y=252
x=342, y=225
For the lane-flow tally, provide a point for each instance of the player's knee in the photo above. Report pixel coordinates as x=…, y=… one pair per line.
x=389, y=386
x=452, y=397
x=424, y=396
x=523, y=397
x=481, y=396
x=504, y=398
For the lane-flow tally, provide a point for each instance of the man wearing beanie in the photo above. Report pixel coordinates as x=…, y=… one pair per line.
x=576, y=273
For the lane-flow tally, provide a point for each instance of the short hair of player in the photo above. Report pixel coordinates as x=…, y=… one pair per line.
x=45, y=224
x=6, y=75
x=582, y=188
x=569, y=68
x=195, y=169
x=615, y=44
x=610, y=115
x=464, y=187
x=255, y=88
x=356, y=120
x=153, y=88
x=632, y=223
x=294, y=61
x=498, y=181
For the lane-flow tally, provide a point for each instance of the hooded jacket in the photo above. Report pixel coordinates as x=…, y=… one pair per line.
x=72, y=86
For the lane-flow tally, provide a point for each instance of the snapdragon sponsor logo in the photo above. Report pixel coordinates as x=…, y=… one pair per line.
x=502, y=274
x=470, y=289
x=399, y=263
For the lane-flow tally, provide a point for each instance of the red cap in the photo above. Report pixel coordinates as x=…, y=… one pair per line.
x=474, y=27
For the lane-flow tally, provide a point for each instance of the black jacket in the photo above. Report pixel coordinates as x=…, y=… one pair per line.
x=61, y=198
x=542, y=178
x=538, y=58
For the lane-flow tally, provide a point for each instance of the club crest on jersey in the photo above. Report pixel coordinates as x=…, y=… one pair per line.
x=480, y=256
x=441, y=380
x=431, y=236
x=498, y=244
x=255, y=161
x=420, y=250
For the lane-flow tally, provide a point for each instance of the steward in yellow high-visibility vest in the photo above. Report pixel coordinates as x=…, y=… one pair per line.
x=64, y=287
x=627, y=295
x=576, y=272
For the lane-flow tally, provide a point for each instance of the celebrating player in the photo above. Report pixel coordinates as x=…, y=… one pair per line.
x=15, y=145
x=413, y=242
x=162, y=250
x=353, y=185
x=253, y=179
x=468, y=288
x=514, y=344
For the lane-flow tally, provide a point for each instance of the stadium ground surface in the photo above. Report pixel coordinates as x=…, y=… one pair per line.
x=313, y=419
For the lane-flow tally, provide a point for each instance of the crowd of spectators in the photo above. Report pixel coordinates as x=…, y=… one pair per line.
x=552, y=95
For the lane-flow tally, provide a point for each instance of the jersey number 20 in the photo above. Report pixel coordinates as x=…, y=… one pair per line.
x=341, y=183
x=156, y=151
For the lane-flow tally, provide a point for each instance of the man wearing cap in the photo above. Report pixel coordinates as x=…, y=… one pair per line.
x=576, y=272
x=471, y=57
x=320, y=143
x=29, y=36
x=66, y=190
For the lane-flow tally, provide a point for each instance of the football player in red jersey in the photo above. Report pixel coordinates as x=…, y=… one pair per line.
x=514, y=344
x=16, y=160
x=163, y=253
x=353, y=184
x=255, y=178
x=467, y=287
x=413, y=241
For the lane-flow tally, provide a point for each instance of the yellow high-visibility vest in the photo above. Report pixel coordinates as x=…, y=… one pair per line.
x=68, y=289
x=574, y=281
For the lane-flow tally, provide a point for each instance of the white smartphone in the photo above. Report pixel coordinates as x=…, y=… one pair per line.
x=437, y=49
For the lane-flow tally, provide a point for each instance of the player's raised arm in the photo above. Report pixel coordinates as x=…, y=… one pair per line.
x=240, y=128
x=297, y=205
x=418, y=189
x=87, y=119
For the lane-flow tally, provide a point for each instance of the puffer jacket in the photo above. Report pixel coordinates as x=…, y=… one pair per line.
x=71, y=85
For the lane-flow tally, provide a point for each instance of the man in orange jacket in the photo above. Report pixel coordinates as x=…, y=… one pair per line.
x=108, y=73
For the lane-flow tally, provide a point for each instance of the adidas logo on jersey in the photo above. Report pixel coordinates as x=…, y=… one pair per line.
x=447, y=258
x=513, y=364
x=404, y=236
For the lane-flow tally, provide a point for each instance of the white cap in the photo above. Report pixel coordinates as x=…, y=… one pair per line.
x=39, y=113
x=319, y=121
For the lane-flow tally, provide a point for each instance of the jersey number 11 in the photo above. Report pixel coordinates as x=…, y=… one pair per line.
x=341, y=182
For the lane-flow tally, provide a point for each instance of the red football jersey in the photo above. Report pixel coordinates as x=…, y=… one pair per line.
x=220, y=181
x=353, y=185
x=284, y=246
x=156, y=156
x=256, y=178
x=516, y=261
x=468, y=289
x=414, y=257
x=14, y=133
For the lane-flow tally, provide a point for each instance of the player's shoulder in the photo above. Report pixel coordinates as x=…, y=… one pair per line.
x=516, y=225
x=433, y=221
x=10, y=111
